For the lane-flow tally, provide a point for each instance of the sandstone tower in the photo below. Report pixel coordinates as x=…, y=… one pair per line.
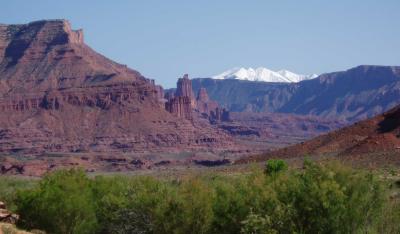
x=184, y=89
x=182, y=103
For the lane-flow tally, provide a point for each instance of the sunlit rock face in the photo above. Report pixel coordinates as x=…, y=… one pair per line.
x=59, y=95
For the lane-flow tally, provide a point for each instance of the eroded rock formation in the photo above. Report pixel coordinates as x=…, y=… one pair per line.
x=203, y=102
x=219, y=115
x=184, y=89
x=57, y=95
x=182, y=103
x=180, y=107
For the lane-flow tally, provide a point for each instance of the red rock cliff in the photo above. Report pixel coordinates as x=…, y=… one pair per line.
x=59, y=95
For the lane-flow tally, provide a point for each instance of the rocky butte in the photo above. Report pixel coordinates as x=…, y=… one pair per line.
x=182, y=103
x=57, y=95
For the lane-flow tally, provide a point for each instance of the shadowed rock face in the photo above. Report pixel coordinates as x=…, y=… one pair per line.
x=58, y=95
x=202, y=96
x=370, y=142
x=203, y=102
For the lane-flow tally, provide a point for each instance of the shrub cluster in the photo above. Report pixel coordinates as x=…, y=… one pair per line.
x=9, y=186
x=317, y=199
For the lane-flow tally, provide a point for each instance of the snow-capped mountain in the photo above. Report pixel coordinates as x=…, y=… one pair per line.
x=263, y=74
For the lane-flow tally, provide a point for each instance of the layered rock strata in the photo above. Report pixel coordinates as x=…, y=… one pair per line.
x=182, y=103
x=57, y=95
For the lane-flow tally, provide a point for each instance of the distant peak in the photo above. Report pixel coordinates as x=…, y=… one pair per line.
x=263, y=74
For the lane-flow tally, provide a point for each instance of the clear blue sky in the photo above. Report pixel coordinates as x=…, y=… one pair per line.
x=164, y=39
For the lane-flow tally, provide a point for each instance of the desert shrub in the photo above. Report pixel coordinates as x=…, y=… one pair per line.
x=348, y=200
x=186, y=209
x=9, y=187
x=235, y=200
x=229, y=206
x=316, y=199
x=147, y=205
x=255, y=223
x=274, y=166
x=322, y=199
x=126, y=205
x=389, y=222
x=61, y=203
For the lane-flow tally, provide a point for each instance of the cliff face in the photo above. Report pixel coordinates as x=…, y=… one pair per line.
x=184, y=88
x=47, y=55
x=58, y=95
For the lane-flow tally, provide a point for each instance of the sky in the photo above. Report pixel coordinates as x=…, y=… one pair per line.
x=165, y=39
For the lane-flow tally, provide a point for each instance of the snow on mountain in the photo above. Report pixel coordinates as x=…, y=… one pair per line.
x=263, y=74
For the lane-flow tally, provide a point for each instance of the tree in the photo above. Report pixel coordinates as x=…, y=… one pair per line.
x=275, y=166
x=62, y=203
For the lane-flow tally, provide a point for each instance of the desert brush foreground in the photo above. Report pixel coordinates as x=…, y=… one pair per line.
x=319, y=197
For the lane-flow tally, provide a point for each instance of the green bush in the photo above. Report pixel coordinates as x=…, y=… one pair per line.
x=147, y=205
x=274, y=166
x=61, y=203
x=322, y=199
x=186, y=209
x=317, y=199
x=255, y=223
x=9, y=187
x=389, y=222
x=229, y=206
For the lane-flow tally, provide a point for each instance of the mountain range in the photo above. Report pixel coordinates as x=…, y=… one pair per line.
x=263, y=74
x=355, y=94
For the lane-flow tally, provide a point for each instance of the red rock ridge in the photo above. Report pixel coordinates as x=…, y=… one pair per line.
x=58, y=95
x=374, y=141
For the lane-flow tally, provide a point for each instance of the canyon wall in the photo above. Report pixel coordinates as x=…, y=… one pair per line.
x=59, y=95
